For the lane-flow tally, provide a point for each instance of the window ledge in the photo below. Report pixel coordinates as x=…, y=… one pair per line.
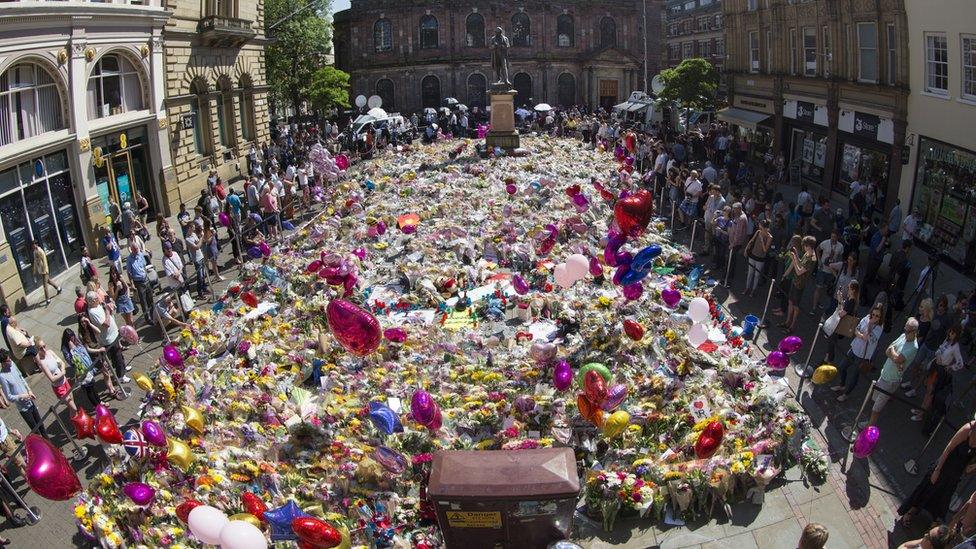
x=942, y=96
x=967, y=101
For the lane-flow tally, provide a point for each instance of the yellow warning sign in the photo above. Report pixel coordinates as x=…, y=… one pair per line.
x=474, y=519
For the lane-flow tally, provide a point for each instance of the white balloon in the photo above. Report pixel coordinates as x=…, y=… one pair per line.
x=206, y=522
x=238, y=534
x=578, y=266
x=698, y=310
x=697, y=335
x=562, y=276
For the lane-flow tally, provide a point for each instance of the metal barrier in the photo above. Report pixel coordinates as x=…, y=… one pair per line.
x=805, y=373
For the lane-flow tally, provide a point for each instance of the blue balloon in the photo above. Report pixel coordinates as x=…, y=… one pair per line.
x=286, y=225
x=280, y=520
x=632, y=276
x=254, y=252
x=642, y=261
x=217, y=307
x=268, y=272
x=384, y=419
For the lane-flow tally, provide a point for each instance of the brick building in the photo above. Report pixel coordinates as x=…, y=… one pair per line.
x=694, y=29
x=415, y=53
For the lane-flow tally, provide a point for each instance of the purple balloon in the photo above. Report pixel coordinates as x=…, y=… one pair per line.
x=777, y=360
x=670, y=296
x=396, y=335
x=224, y=219
x=619, y=273
x=172, y=355
x=390, y=460
x=360, y=253
x=520, y=285
x=580, y=199
x=623, y=194
x=790, y=344
x=562, y=376
x=866, y=441
x=153, y=433
x=633, y=291
x=381, y=227
x=422, y=407
x=595, y=268
x=615, y=397
x=265, y=249
x=140, y=493
x=525, y=404
x=623, y=258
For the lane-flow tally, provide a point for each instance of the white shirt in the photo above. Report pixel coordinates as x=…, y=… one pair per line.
x=830, y=252
x=693, y=187
x=722, y=143
x=910, y=225
x=949, y=355
x=173, y=266
x=106, y=334
x=865, y=349
x=194, y=242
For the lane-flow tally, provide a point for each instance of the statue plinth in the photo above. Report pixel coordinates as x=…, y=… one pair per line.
x=503, y=133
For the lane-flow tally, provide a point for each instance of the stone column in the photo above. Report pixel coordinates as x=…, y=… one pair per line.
x=503, y=133
x=91, y=214
x=159, y=139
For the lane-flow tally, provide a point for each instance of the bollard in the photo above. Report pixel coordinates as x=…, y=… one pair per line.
x=80, y=452
x=851, y=436
x=673, y=207
x=762, y=319
x=911, y=466
x=806, y=365
x=691, y=245
x=728, y=265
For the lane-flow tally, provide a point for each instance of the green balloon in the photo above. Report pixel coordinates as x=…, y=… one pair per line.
x=595, y=366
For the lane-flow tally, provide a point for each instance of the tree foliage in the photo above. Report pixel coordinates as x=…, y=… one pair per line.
x=299, y=45
x=329, y=89
x=692, y=84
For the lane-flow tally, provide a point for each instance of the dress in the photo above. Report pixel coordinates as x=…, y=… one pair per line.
x=935, y=498
x=123, y=300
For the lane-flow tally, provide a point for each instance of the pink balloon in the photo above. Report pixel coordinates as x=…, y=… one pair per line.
x=581, y=200
x=265, y=249
x=615, y=397
x=102, y=410
x=671, y=297
x=129, y=334
x=633, y=291
x=790, y=344
x=140, y=493
x=342, y=161
x=408, y=229
x=356, y=329
x=511, y=188
x=48, y=471
x=542, y=352
x=777, y=360
x=314, y=266
x=866, y=441
x=595, y=268
x=153, y=433
x=438, y=420
x=562, y=376
x=360, y=253
x=423, y=407
x=577, y=265
x=381, y=228
x=520, y=285
x=224, y=219
x=172, y=356
x=396, y=335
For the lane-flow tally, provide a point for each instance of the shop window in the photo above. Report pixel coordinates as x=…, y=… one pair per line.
x=385, y=89
x=892, y=60
x=945, y=196
x=475, y=31
x=936, y=64
x=30, y=104
x=430, y=92
x=809, y=150
x=521, y=30
x=867, y=52
x=864, y=165
x=608, y=33
x=565, y=31
x=969, y=67
x=428, y=32
x=809, y=51
x=566, y=85
x=113, y=87
x=247, y=108
x=754, y=51
x=383, y=35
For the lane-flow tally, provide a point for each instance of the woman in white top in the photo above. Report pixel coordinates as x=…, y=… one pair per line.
x=938, y=380
x=54, y=368
x=866, y=337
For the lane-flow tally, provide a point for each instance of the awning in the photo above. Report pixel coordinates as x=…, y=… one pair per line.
x=631, y=106
x=741, y=117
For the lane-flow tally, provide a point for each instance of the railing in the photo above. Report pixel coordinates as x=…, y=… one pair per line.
x=226, y=31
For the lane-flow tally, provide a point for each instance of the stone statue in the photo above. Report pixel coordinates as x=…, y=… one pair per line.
x=499, y=57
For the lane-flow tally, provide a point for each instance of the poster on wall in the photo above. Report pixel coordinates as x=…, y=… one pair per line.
x=848, y=164
x=820, y=155
x=808, y=150
x=953, y=210
x=125, y=190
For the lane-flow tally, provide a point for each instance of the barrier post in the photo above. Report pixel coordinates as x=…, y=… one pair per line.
x=33, y=513
x=806, y=365
x=851, y=435
x=911, y=466
x=762, y=319
x=694, y=227
x=728, y=265
x=673, y=207
x=80, y=451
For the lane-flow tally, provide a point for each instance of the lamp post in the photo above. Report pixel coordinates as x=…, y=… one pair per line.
x=644, y=87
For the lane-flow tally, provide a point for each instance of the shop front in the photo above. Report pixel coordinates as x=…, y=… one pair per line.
x=37, y=204
x=805, y=140
x=945, y=196
x=864, y=145
x=751, y=118
x=122, y=164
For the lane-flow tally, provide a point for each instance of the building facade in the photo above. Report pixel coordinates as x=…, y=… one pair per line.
x=825, y=84
x=415, y=53
x=216, y=93
x=82, y=122
x=694, y=29
x=939, y=180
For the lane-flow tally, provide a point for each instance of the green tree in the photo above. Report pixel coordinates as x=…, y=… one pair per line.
x=329, y=89
x=692, y=84
x=300, y=35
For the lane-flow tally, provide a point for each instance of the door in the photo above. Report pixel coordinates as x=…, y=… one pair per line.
x=122, y=179
x=18, y=235
x=608, y=93
x=43, y=226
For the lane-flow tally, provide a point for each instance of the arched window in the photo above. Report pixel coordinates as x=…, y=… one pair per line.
x=477, y=88
x=475, y=31
x=428, y=32
x=29, y=103
x=521, y=30
x=430, y=92
x=113, y=87
x=384, y=89
x=247, y=107
x=608, y=32
x=565, y=31
x=566, y=89
x=225, y=112
x=383, y=35
x=523, y=87
x=200, y=111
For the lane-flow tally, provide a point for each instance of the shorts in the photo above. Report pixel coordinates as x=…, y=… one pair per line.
x=62, y=390
x=824, y=279
x=880, y=399
x=8, y=447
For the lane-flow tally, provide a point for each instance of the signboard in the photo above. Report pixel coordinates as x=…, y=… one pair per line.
x=808, y=150
x=906, y=155
x=820, y=155
x=805, y=111
x=866, y=125
x=474, y=519
x=187, y=121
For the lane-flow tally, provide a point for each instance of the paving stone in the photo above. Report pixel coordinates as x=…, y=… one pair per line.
x=779, y=535
x=745, y=540
x=830, y=512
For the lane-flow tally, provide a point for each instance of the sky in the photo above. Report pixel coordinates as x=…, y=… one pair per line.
x=339, y=5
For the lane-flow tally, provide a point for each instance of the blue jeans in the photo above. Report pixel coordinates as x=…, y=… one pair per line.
x=201, y=277
x=849, y=372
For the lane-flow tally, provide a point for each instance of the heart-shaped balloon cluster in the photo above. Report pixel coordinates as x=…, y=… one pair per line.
x=425, y=410
x=709, y=440
x=48, y=472
x=598, y=396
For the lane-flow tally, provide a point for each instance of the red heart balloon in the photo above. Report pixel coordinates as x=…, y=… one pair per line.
x=355, y=328
x=591, y=412
x=108, y=429
x=84, y=424
x=633, y=329
x=253, y=504
x=572, y=190
x=249, y=298
x=715, y=429
x=595, y=387
x=315, y=532
x=48, y=472
x=183, y=509
x=634, y=212
x=709, y=440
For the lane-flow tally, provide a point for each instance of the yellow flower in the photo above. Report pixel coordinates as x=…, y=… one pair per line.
x=79, y=511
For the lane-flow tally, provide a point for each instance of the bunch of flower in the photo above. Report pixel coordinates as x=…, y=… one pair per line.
x=814, y=462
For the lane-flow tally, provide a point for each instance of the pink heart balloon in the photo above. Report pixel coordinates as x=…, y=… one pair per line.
x=615, y=397
x=866, y=441
x=356, y=329
x=396, y=335
x=423, y=407
x=140, y=493
x=48, y=471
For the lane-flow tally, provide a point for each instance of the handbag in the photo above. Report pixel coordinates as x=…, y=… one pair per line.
x=186, y=302
x=846, y=326
x=830, y=325
x=152, y=277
